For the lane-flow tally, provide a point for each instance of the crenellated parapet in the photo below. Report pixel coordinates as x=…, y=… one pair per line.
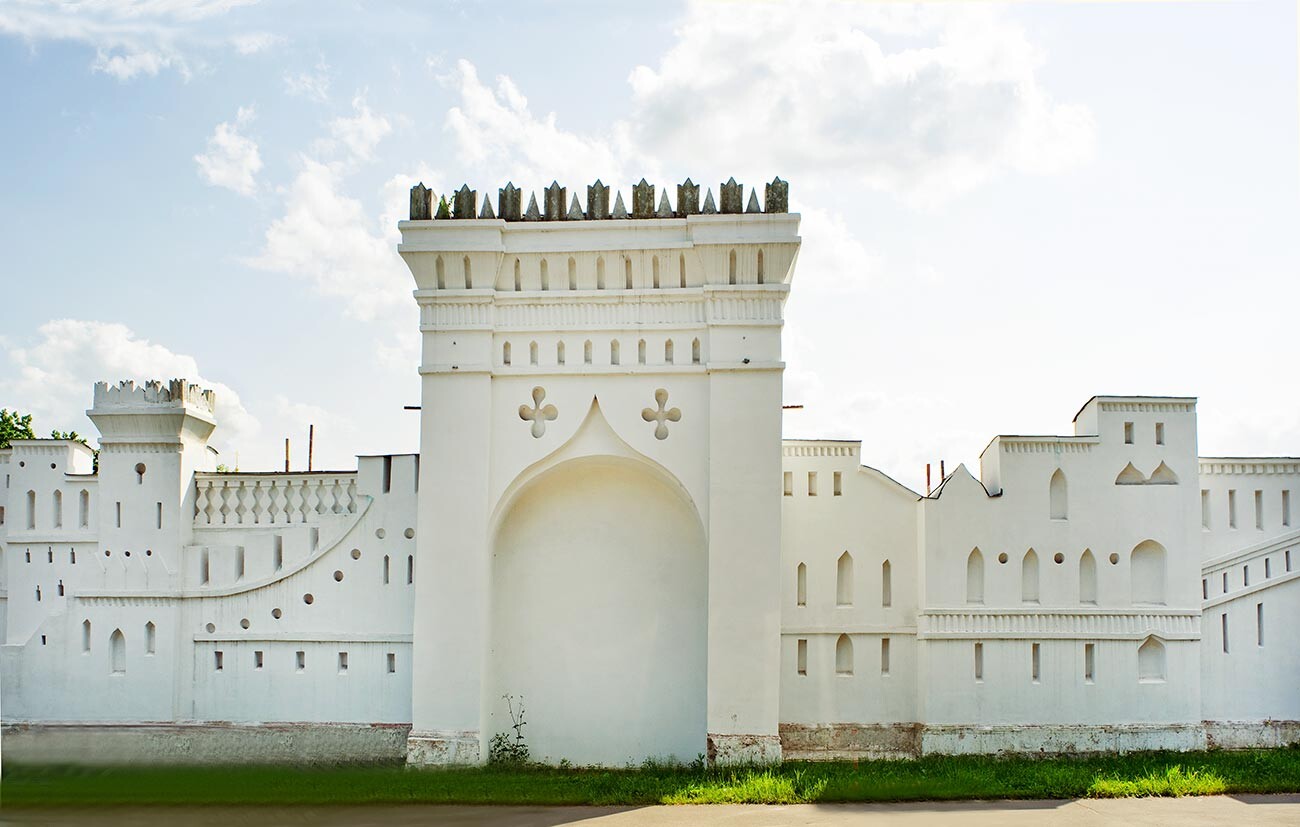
x=174, y=393
x=463, y=203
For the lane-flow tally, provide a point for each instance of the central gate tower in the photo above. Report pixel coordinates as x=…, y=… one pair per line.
x=600, y=473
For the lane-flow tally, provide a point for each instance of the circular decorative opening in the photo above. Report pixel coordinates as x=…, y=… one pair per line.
x=211, y=627
x=1114, y=558
x=276, y=613
x=380, y=533
x=22, y=463
x=243, y=624
x=108, y=553
x=1058, y=558
x=410, y=533
x=1002, y=558
x=127, y=553
x=139, y=468
x=308, y=599
x=148, y=552
x=356, y=554
x=53, y=466
x=338, y=576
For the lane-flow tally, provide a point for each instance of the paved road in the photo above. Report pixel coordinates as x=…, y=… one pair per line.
x=1217, y=811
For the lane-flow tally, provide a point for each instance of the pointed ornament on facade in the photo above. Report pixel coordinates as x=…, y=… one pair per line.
x=463, y=202
x=753, y=202
x=664, y=211
x=486, y=212
x=533, y=214
x=575, y=212
x=620, y=211
x=709, y=207
x=732, y=197
x=510, y=202
x=553, y=202
x=778, y=196
x=597, y=201
x=688, y=198
x=421, y=202
x=643, y=200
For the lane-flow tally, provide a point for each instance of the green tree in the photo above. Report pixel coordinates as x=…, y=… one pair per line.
x=14, y=425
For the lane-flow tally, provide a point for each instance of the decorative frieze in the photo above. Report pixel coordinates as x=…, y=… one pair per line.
x=1046, y=624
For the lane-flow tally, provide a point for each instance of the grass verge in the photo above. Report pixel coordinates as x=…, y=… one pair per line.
x=930, y=778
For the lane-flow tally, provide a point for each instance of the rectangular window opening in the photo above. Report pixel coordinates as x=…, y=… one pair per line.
x=388, y=472
x=257, y=660
x=392, y=663
x=1259, y=624
x=1286, y=508
x=1036, y=664
x=1205, y=589
x=979, y=663
x=1128, y=433
x=1245, y=575
x=788, y=481
x=277, y=552
x=1268, y=567
x=119, y=515
x=884, y=656
x=343, y=663
x=1160, y=433
x=300, y=660
x=1232, y=508
x=801, y=657
x=219, y=660
x=1089, y=662
x=159, y=516
x=1205, y=509
x=1259, y=510
x=1223, y=630
x=812, y=483
x=837, y=480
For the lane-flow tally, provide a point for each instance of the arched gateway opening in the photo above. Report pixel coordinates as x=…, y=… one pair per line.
x=599, y=615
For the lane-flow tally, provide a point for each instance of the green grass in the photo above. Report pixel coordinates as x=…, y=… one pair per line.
x=930, y=778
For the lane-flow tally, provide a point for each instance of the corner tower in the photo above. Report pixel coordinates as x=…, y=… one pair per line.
x=599, y=494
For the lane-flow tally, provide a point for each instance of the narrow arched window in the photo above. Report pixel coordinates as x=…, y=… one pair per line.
x=519, y=282
x=586, y=352
x=546, y=276
x=1147, y=570
x=681, y=270
x=801, y=585
x=695, y=352
x=85, y=636
x=886, y=585
x=573, y=273
x=843, y=655
x=441, y=271
x=668, y=352
x=844, y=580
x=975, y=577
x=600, y=273
x=761, y=274
x=469, y=277
x=150, y=638
x=505, y=354
x=1056, y=490
x=83, y=508
x=559, y=353
x=410, y=569
x=532, y=353
x=640, y=352
x=58, y=508
x=117, y=650
x=1151, y=661
x=31, y=510
x=1087, y=578
x=731, y=267
x=1029, y=577
x=386, y=567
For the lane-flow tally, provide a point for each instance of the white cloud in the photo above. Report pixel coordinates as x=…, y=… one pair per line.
x=358, y=135
x=232, y=160
x=53, y=378
x=131, y=38
x=252, y=43
x=313, y=85
x=825, y=91
x=831, y=257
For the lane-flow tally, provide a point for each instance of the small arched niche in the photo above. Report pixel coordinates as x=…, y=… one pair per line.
x=843, y=655
x=1147, y=573
x=1130, y=476
x=1163, y=475
x=975, y=577
x=117, y=651
x=1058, y=496
x=1029, y=577
x=844, y=580
x=1151, y=661
x=1088, y=578
x=801, y=585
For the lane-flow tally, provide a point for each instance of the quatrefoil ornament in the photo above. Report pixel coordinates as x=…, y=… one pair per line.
x=663, y=416
x=538, y=414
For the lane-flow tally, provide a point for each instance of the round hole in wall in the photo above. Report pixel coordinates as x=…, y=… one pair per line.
x=1058, y=558
x=127, y=553
x=148, y=552
x=22, y=463
x=211, y=627
x=338, y=576
x=243, y=624
x=356, y=554
x=139, y=468
x=410, y=533
x=276, y=613
x=1114, y=558
x=1002, y=558
x=308, y=599
x=107, y=553
x=53, y=466
x=380, y=533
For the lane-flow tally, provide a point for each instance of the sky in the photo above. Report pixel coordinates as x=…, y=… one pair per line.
x=1006, y=209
